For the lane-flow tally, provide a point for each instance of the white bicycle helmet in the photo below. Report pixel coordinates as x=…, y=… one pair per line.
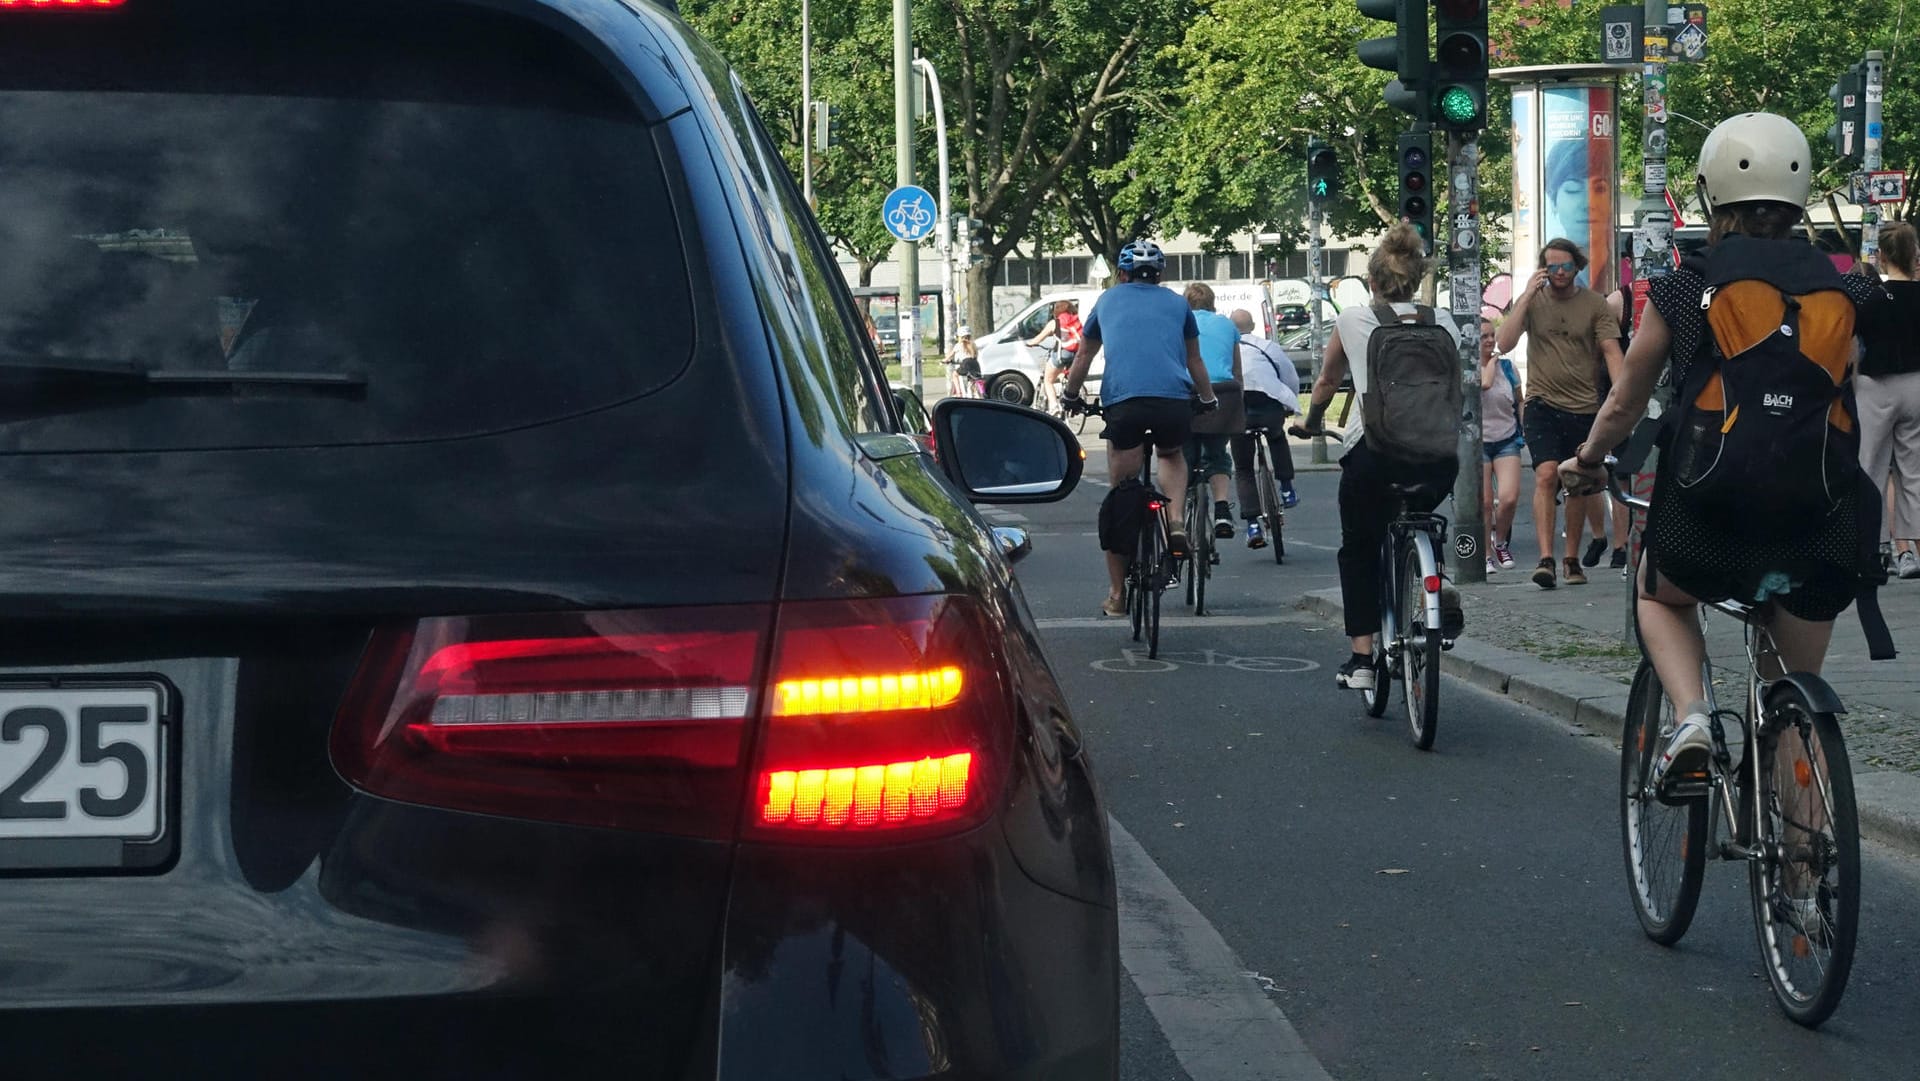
x=1756, y=156
x=964, y=332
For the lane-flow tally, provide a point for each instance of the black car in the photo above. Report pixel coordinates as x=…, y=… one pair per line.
x=470, y=608
x=1289, y=316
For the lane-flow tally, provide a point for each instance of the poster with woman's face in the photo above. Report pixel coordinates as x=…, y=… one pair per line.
x=1576, y=182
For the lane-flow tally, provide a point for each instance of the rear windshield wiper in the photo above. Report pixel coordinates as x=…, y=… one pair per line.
x=64, y=376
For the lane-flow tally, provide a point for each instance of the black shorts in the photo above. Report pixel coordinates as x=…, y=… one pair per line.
x=1166, y=421
x=1553, y=435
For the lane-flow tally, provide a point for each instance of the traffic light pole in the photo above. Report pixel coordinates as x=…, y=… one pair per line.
x=1652, y=243
x=1871, y=152
x=905, y=252
x=1318, y=455
x=1467, y=554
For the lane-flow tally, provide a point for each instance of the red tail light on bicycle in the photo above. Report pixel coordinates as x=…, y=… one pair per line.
x=1432, y=583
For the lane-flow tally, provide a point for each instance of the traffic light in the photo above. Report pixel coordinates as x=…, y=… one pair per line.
x=826, y=123
x=1416, y=183
x=1848, y=135
x=1404, y=54
x=1323, y=173
x=1459, y=77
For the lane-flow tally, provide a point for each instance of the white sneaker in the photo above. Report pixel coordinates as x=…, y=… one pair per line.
x=1355, y=676
x=1687, y=750
x=1907, y=565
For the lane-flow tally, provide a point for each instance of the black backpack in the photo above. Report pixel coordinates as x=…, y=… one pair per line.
x=1415, y=398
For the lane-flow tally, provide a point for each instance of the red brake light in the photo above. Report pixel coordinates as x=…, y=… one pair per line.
x=880, y=716
x=60, y=5
x=1432, y=583
x=621, y=719
x=917, y=726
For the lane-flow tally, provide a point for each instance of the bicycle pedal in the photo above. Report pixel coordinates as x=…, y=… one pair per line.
x=1213, y=558
x=1446, y=645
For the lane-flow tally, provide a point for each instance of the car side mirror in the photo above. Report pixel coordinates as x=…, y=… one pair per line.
x=1002, y=453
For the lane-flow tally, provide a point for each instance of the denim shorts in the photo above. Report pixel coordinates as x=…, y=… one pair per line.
x=1509, y=447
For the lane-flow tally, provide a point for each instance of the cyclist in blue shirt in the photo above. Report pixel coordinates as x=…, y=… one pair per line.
x=1207, y=448
x=1153, y=369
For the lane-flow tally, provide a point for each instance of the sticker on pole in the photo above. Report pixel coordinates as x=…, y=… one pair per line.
x=1687, y=35
x=1620, y=27
x=1466, y=292
x=909, y=212
x=1887, y=187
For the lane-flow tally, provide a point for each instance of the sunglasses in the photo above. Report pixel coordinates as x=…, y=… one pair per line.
x=1560, y=268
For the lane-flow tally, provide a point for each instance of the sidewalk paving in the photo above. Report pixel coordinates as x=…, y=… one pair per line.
x=1565, y=651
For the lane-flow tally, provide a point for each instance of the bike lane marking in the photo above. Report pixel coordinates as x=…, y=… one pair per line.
x=1220, y=1024
x=1078, y=623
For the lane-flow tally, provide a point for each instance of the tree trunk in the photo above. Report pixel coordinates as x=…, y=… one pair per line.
x=980, y=293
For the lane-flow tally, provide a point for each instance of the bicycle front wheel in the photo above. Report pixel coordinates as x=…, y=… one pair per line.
x=1665, y=842
x=1419, y=651
x=1806, y=886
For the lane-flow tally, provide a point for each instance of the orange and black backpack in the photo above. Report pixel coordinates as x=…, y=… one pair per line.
x=1765, y=439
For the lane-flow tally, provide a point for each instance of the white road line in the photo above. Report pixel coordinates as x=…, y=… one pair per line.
x=1220, y=1024
x=1075, y=623
x=1004, y=517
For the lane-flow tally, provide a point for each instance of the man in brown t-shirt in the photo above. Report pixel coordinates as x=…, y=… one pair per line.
x=1570, y=332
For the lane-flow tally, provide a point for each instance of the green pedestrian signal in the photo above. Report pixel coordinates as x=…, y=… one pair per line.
x=1323, y=172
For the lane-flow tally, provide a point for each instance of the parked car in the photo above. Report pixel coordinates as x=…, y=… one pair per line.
x=471, y=608
x=887, y=325
x=1012, y=368
x=1290, y=316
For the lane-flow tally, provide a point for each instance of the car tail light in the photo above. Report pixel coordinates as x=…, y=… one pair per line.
x=60, y=5
x=630, y=720
x=886, y=716
x=880, y=717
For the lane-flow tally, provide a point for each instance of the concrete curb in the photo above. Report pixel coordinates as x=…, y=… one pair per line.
x=1889, y=801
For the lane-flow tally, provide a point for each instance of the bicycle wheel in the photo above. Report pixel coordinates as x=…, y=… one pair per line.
x=1272, y=518
x=1192, y=517
x=1665, y=842
x=1158, y=586
x=1200, y=562
x=1419, y=650
x=1806, y=889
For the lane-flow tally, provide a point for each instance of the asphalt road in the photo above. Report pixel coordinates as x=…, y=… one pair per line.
x=1455, y=914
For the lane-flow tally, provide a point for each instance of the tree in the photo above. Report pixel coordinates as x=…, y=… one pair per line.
x=1035, y=82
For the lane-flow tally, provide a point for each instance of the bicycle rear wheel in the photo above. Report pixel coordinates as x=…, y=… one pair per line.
x=1200, y=560
x=1806, y=889
x=1665, y=842
x=1158, y=586
x=1273, y=518
x=1376, y=697
x=1419, y=650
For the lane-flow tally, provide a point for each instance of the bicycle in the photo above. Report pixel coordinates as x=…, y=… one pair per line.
x=1786, y=809
x=1273, y=519
x=1204, y=553
x=1412, y=635
x=1154, y=565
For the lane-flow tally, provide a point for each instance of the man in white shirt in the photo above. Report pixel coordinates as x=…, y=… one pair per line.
x=1272, y=395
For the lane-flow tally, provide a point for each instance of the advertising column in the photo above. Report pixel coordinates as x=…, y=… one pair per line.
x=1526, y=181
x=1577, y=167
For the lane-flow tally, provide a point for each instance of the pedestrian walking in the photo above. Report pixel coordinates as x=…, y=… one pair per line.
x=1888, y=389
x=1570, y=332
x=1501, y=444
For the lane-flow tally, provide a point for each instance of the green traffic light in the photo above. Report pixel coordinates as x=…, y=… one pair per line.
x=1458, y=105
x=1320, y=187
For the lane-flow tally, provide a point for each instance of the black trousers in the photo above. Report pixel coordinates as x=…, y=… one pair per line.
x=1262, y=411
x=1367, y=505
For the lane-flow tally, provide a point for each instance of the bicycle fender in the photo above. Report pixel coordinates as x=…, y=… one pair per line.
x=1819, y=693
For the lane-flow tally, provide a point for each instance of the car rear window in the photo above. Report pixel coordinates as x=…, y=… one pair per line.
x=458, y=206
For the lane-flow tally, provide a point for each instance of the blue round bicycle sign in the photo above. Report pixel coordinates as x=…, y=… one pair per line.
x=909, y=212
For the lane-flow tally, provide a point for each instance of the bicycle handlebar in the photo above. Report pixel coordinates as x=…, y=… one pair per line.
x=1625, y=499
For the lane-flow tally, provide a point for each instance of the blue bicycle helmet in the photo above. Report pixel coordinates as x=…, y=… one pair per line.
x=1142, y=255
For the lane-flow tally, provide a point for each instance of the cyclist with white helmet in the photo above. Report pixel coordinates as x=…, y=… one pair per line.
x=1147, y=393
x=1754, y=171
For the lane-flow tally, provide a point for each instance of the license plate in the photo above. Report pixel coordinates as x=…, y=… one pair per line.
x=83, y=776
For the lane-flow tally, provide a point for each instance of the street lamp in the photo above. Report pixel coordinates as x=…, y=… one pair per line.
x=945, y=236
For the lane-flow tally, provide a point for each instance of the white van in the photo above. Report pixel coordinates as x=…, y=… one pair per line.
x=1010, y=367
